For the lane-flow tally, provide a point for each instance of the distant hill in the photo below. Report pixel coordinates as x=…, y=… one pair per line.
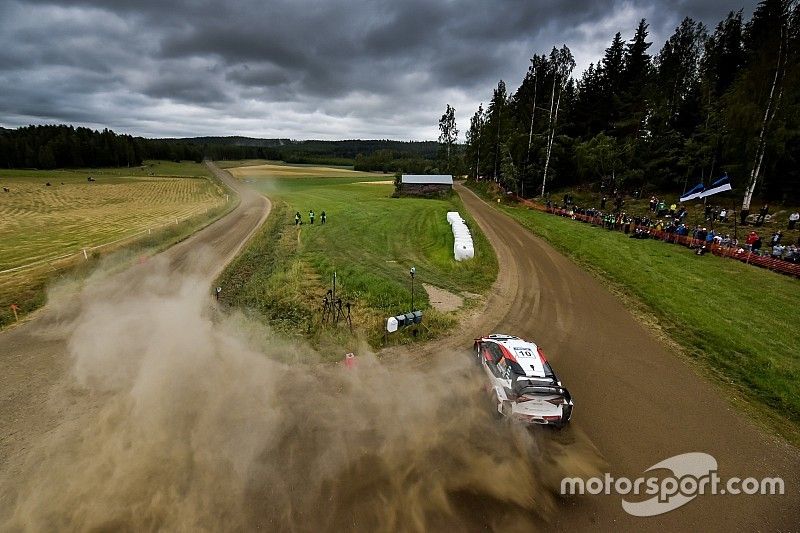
x=347, y=149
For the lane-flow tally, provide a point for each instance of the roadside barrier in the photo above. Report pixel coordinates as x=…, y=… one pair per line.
x=771, y=263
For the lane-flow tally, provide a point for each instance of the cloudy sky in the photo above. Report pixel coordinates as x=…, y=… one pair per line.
x=316, y=69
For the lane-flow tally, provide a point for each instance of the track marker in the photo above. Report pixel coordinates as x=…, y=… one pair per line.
x=14, y=308
x=85, y=255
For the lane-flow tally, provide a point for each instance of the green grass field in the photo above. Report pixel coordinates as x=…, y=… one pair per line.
x=370, y=240
x=44, y=229
x=738, y=321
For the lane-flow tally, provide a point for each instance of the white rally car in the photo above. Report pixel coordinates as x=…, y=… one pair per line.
x=521, y=381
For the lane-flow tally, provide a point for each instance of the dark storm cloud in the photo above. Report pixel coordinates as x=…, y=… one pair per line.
x=301, y=69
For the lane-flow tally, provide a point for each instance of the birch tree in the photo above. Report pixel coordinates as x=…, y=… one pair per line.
x=563, y=63
x=448, y=133
x=772, y=104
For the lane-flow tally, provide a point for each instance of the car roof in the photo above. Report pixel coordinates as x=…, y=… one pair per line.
x=522, y=352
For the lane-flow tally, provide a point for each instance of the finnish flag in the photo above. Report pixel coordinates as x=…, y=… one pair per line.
x=695, y=192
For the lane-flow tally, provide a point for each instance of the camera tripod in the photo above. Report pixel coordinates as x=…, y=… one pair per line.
x=332, y=310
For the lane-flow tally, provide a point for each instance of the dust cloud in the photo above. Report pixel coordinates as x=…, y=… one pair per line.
x=178, y=418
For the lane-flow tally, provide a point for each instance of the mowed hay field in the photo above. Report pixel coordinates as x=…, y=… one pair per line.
x=277, y=169
x=38, y=222
x=43, y=228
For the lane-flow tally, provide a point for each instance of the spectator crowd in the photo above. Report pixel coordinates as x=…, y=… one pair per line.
x=667, y=222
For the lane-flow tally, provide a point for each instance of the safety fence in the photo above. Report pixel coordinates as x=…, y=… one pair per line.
x=746, y=256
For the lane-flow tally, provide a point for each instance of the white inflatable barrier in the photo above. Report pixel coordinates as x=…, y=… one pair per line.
x=463, y=248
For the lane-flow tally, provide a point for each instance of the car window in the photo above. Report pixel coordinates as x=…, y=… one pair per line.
x=495, y=352
x=504, y=368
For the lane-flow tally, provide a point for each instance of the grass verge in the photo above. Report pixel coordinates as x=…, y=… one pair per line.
x=738, y=322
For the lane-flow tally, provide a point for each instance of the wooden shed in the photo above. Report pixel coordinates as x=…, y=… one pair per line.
x=426, y=184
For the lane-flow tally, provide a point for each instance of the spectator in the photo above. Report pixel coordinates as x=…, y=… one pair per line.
x=603, y=202
x=322, y=217
x=757, y=245
x=708, y=212
x=661, y=208
x=751, y=239
x=762, y=215
x=743, y=216
x=792, y=253
x=723, y=215
x=793, y=218
x=672, y=209
x=653, y=203
x=776, y=238
x=297, y=218
x=311, y=216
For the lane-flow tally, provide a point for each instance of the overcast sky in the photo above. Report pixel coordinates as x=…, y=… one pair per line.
x=297, y=69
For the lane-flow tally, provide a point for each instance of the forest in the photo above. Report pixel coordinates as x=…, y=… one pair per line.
x=62, y=146
x=707, y=103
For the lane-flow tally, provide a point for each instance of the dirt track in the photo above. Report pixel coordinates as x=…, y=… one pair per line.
x=635, y=401
x=34, y=357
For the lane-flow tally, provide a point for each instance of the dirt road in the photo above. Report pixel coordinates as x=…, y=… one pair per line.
x=204, y=433
x=635, y=400
x=34, y=356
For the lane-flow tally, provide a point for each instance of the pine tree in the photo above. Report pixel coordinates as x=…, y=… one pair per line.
x=472, y=151
x=497, y=111
x=635, y=81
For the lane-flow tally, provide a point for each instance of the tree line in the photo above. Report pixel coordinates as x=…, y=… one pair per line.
x=708, y=103
x=62, y=146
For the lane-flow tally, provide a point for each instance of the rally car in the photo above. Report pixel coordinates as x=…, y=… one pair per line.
x=521, y=382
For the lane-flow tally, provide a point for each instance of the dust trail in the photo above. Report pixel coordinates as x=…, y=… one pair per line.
x=180, y=421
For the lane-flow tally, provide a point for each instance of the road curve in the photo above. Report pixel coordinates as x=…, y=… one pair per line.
x=638, y=402
x=34, y=355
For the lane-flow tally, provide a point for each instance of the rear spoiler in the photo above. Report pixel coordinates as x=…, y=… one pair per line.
x=544, y=389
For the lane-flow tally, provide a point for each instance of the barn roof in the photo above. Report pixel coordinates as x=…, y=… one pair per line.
x=438, y=179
